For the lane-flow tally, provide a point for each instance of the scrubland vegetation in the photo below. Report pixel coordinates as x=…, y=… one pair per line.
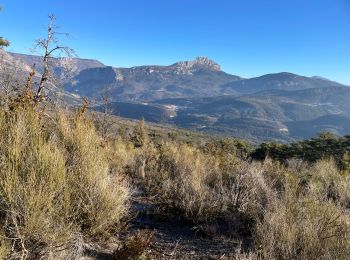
x=61, y=185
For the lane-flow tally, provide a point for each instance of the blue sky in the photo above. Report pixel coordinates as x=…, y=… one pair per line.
x=246, y=37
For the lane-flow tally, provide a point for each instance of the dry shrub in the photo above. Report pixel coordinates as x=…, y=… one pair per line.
x=258, y=188
x=34, y=202
x=54, y=182
x=189, y=182
x=99, y=197
x=328, y=183
x=123, y=156
x=206, y=187
x=298, y=231
x=135, y=246
x=301, y=227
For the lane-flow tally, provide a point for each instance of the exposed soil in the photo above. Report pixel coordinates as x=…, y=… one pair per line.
x=173, y=238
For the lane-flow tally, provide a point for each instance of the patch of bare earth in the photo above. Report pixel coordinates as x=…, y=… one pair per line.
x=173, y=238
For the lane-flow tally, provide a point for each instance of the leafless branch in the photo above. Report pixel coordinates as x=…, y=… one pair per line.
x=50, y=48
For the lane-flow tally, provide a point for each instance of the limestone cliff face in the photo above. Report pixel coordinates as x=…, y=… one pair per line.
x=196, y=78
x=200, y=63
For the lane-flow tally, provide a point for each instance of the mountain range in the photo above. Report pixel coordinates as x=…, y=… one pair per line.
x=198, y=95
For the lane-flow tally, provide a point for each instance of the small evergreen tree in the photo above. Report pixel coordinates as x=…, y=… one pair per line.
x=140, y=135
x=3, y=42
x=345, y=162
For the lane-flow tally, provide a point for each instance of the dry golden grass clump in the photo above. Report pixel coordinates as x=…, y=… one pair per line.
x=202, y=186
x=55, y=182
x=100, y=195
x=327, y=182
x=306, y=229
x=190, y=181
x=307, y=219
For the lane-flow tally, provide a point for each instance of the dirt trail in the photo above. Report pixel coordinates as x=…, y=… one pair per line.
x=173, y=239
x=176, y=239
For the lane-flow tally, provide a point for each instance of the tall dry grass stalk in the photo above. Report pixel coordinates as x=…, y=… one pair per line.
x=308, y=218
x=100, y=196
x=55, y=181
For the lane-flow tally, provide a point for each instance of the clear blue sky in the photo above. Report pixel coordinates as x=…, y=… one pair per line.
x=247, y=37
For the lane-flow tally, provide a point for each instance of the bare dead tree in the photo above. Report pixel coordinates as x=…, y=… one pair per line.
x=51, y=48
x=106, y=122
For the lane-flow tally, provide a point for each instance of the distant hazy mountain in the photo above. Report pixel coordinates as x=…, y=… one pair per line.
x=199, y=78
x=199, y=95
x=283, y=81
x=76, y=65
x=8, y=62
x=15, y=68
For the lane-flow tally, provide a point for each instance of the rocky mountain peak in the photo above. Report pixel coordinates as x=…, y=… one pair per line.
x=198, y=63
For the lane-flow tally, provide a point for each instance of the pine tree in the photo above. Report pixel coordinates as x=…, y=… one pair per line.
x=345, y=161
x=3, y=42
x=140, y=135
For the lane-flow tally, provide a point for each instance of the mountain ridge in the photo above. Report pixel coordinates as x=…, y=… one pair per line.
x=76, y=64
x=197, y=94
